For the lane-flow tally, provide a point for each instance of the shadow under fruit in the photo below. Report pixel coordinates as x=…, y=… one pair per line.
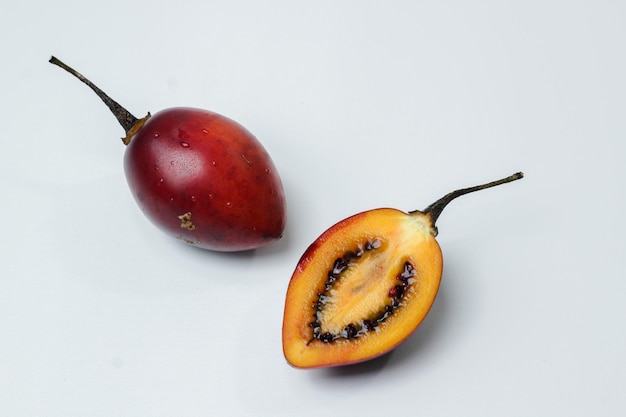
x=365, y=285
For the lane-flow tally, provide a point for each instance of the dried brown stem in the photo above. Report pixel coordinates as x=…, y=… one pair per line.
x=129, y=122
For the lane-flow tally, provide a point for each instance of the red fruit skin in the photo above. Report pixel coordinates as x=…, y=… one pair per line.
x=206, y=180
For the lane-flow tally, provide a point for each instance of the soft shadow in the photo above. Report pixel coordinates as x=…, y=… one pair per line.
x=190, y=250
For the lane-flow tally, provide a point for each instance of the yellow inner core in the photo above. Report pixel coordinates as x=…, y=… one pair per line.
x=360, y=292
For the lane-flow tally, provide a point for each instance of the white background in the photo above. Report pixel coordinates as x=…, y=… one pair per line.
x=362, y=104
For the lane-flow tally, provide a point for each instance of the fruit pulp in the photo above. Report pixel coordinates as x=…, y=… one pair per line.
x=361, y=288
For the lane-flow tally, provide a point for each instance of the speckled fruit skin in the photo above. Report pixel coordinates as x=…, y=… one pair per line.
x=206, y=180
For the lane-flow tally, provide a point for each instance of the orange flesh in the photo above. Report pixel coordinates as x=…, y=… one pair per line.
x=362, y=289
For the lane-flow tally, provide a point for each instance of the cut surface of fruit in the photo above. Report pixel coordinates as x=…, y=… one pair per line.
x=361, y=289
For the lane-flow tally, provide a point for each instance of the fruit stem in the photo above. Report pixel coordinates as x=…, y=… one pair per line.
x=435, y=209
x=129, y=122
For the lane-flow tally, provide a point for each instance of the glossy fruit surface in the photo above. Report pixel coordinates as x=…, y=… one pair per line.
x=365, y=285
x=199, y=176
x=206, y=180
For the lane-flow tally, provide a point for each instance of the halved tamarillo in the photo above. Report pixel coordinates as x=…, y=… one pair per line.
x=365, y=285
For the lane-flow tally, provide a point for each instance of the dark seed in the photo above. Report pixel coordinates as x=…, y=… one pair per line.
x=339, y=266
x=350, y=331
x=375, y=244
x=408, y=271
x=326, y=337
x=368, y=325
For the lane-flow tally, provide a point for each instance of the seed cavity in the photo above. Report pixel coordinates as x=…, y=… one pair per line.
x=185, y=221
x=370, y=320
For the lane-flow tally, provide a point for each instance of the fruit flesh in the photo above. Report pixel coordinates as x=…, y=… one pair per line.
x=205, y=180
x=362, y=291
